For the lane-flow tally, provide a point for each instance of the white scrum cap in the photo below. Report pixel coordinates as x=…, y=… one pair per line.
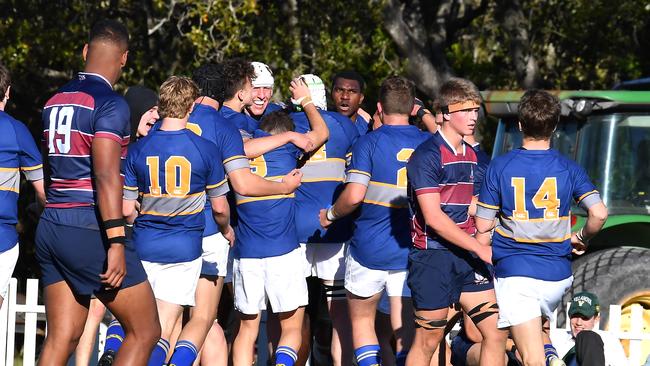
x=263, y=75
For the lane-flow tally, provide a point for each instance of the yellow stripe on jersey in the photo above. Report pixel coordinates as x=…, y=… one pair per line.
x=525, y=240
x=234, y=157
x=541, y=219
x=265, y=198
x=28, y=168
x=386, y=185
x=358, y=172
x=326, y=160
x=169, y=195
x=217, y=185
x=385, y=204
x=8, y=169
x=130, y=188
x=487, y=206
x=185, y=213
x=587, y=194
x=12, y=189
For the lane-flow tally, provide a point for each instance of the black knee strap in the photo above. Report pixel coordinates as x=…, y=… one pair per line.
x=429, y=324
x=334, y=292
x=482, y=311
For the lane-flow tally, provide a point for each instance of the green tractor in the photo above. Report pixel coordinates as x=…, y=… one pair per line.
x=608, y=133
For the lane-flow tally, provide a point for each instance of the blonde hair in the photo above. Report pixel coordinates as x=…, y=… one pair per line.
x=458, y=90
x=177, y=94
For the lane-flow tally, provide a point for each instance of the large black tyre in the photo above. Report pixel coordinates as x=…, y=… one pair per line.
x=615, y=275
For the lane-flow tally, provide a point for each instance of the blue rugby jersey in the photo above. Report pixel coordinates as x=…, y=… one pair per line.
x=84, y=109
x=18, y=152
x=436, y=167
x=322, y=180
x=530, y=192
x=381, y=237
x=361, y=125
x=172, y=171
x=266, y=227
x=244, y=123
x=208, y=123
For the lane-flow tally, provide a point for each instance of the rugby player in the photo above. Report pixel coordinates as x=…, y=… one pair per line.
x=173, y=169
x=323, y=176
x=262, y=92
x=18, y=153
x=267, y=250
x=80, y=239
x=530, y=191
x=447, y=265
x=377, y=258
x=206, y=121
x=347, y=95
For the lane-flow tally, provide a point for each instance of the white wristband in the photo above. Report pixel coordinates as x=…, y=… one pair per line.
x=330, y=214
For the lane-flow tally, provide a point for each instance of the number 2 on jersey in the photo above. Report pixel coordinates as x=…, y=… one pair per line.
x=178, y=173
x=545, y=198
x=403, y=156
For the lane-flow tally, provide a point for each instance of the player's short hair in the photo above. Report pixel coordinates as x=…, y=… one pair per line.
x=236, y=72
x=177, y=95
x=209, y=78
x=397, y=95
x=539, y=114
x=350, y=75
x=276, y=122
x=5, y=80
x=109, y=30
x=457, y=90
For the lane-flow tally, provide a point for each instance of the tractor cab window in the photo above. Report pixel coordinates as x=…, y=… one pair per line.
x=615, y=151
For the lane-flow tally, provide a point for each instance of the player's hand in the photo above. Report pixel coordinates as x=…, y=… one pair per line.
x=579, y=248
x=322, y=217
x=484, y=252
x=229, y=234
x=302, y=141
x=365, y=115
x=417, y=104
x=116, y=267
x=292, y=180
x=299, y=90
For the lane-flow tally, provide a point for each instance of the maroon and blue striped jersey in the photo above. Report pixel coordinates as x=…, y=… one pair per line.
x=84, y=109
x=436, y=167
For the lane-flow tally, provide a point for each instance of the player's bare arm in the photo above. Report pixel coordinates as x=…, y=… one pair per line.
x=106, y=165
x=596, y=217
x=484, y=230
x=221, y=214
x=39, y=188
x=348, y=201
x=246, y=183
x=319, y=132
x=435, y=218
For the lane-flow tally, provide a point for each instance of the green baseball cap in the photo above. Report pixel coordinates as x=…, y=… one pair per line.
x=584, y=303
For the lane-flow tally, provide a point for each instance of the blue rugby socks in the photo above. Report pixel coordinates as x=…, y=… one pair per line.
x=185, y=353
x=285, y=356
x=367, y=355
x=114, y=336
x=400, y=358
x=159, y=353
x=551, y=355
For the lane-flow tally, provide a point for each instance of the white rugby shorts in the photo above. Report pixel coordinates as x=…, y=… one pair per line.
x=279, y=279
x=523, y=298
x=325, y=260
x=365, y=282
x=174, y=283
x=215, y=255
x=8, y=261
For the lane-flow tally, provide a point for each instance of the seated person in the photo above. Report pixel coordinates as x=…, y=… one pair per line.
x=582, y=344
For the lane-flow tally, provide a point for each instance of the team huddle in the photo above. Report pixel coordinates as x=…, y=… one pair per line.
x=399, y=221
